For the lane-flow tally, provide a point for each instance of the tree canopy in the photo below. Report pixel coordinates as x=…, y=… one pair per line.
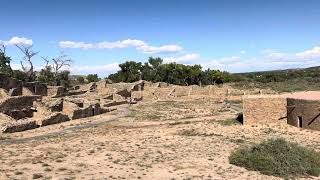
x=154, y=70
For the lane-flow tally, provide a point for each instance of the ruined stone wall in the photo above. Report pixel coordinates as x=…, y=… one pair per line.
x=11, y=84
x=53, y=118
x=56, y=91
x=36, y=88
x=17, y=102
x=74, y=111
x=308, y=110
x=21, y=125
x=46, y=107
x=264, y=109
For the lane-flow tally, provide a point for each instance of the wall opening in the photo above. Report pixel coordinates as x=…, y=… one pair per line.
x=34, y=90
x=300, y=121
x=93, y=112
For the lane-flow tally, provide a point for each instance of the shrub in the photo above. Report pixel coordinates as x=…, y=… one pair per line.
x=278, y=157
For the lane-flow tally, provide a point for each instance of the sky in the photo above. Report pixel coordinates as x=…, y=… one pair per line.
x=230, y=35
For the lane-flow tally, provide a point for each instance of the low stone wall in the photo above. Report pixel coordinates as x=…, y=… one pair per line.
x=17, y=102
x=36, y=88
x=56, y=91
x=264, y=109
x=308, y=111
x=21, y=125
x=115, y=103
x=54, y=118
x=76, y=112
x=8, y=83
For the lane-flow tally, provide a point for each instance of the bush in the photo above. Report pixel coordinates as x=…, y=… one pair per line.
x=92, y=78
x=278, y=157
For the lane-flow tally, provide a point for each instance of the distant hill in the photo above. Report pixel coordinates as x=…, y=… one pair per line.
x=288, y=80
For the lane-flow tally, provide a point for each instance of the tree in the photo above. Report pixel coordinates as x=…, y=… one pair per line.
x=5, y=66
x=52, y=74
x=173, y=73
x=61, y=61
x=92, y=78
x=28, y=55
x=80, y=80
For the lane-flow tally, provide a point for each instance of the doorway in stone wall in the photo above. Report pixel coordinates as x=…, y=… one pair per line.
x=300, y=121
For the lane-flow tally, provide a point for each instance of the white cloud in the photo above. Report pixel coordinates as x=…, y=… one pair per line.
x=242, y=52
x=121, y=44
x=160, y=49
x=75, y=45
x=135, y=43
x=312, y=53
x=188, y=58
x=95, y=69
x=17, y=41
x=270, y=60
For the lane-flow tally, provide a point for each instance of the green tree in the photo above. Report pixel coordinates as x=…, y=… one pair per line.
x=80, y=80
x=92, y=78
x=5, y=61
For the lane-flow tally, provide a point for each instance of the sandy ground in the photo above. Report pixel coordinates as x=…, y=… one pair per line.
x=190, y=139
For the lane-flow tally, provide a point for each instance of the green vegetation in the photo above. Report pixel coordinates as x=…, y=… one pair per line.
x=92, y=78
x=306, y=79
x=155, y=71
x=278, y=157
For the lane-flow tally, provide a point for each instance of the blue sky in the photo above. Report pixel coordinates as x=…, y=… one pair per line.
x=232, y=35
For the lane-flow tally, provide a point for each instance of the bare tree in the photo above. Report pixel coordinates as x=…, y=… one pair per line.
x=61, y=61
x=28, y=54
x=47, y=61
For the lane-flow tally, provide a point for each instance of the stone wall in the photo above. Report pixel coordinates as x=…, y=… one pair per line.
x=56, y=91
x=17, y=102
x=264, y=109
x=54, y=118
x=11, y=84
x=21, y=125
x=36, y=88
x=307, y=110
x=75, y=111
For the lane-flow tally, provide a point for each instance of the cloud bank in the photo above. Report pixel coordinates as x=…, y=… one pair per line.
x=139, y=45
x=17, y=41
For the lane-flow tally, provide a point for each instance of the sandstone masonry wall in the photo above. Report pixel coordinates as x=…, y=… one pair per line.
x=264, y=109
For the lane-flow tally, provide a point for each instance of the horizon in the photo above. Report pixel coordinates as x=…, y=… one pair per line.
x=234, y=36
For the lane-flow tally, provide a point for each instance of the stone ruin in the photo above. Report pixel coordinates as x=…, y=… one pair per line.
x=25, y=106
x=300, y=109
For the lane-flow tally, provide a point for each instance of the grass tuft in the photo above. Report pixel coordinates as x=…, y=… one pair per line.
x=278, y=157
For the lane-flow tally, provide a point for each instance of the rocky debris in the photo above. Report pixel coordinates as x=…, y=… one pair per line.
x=20, y=125
x=53, y=119
x=5, y=119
